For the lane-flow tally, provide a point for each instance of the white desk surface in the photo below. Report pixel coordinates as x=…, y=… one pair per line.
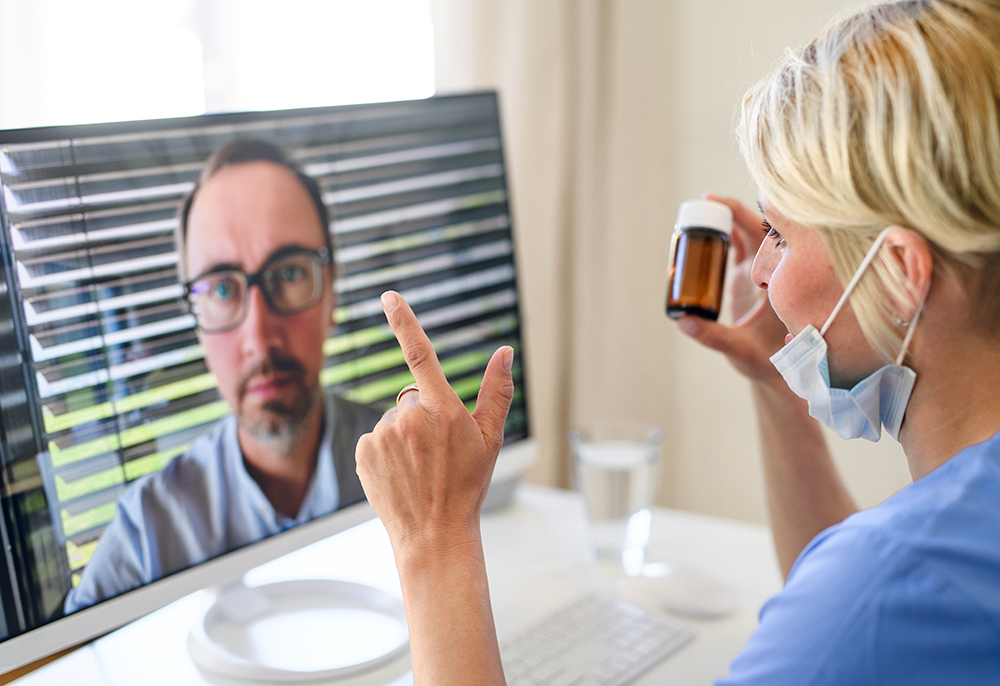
x=537, y=557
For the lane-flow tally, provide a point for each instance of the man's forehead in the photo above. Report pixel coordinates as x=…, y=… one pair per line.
x=244, y=212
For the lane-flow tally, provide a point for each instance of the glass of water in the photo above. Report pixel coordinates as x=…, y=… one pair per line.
x=617, y=469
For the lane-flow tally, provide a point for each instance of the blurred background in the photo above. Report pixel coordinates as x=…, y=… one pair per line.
x=614, y=112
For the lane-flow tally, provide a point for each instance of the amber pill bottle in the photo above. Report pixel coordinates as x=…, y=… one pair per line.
x=698, y=252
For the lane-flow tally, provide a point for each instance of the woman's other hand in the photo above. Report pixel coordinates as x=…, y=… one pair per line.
x=804, y=492
x=757, y=332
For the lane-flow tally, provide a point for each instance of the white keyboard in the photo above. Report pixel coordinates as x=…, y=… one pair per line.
x=595, y=641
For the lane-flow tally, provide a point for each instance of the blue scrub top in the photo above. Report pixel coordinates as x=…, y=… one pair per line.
x=905, y=593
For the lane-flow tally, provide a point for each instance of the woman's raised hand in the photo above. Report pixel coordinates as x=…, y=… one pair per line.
x=757, y=332
x=426, y=468
x=427, y=465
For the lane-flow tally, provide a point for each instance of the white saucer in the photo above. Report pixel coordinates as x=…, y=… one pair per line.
x=681, y=591
x=302, y=630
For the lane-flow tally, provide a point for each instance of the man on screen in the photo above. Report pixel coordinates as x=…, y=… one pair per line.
x=257, y=260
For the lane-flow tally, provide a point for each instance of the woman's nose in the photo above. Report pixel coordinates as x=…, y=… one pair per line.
x=763, y=264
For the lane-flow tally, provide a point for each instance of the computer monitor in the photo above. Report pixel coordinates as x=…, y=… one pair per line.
x=102, y=379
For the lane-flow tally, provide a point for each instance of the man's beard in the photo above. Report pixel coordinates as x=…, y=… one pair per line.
x=278, y=421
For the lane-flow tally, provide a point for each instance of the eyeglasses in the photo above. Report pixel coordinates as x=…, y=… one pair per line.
x=291, y=280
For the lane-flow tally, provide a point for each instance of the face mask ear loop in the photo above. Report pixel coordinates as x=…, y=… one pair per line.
x=872, y=251
x=913, y=326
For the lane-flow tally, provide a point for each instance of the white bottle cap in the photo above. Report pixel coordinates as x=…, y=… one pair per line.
x=705, y=214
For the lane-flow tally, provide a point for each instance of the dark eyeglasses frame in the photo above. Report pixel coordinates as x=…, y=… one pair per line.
x=321, y=255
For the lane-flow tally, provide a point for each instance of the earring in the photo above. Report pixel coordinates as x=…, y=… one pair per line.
x=900, y=322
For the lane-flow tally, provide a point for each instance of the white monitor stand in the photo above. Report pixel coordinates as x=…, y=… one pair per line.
x=299, y=630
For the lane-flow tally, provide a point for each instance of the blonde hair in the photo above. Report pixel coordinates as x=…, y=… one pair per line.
x=890, y=116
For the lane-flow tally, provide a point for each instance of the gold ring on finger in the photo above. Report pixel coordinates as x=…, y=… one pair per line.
x=406, y=389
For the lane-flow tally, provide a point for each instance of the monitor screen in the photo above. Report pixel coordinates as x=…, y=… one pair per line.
x=104, y=387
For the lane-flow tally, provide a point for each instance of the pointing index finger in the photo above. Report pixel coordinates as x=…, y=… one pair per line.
x=416, y=346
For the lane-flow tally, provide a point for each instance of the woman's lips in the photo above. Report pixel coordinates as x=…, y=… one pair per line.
x=788, y=338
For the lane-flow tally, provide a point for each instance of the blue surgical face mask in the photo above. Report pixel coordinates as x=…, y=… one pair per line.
x=878, y=399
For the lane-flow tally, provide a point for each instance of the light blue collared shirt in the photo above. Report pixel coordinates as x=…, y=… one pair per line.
x=906, y=593
x=204, y=503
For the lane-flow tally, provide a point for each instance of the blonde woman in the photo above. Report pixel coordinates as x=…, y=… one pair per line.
x=876, y=151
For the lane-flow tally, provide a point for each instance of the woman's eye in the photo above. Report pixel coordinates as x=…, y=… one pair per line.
x=769, y=232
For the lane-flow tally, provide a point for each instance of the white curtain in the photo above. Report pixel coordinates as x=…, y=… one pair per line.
x=584, y=142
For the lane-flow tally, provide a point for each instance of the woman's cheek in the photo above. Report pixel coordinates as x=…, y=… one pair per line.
x=778, y=297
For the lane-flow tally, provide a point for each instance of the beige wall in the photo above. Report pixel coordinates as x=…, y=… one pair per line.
x=615, y=112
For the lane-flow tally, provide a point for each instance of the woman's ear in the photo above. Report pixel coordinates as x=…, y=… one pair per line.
x=916, y=261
